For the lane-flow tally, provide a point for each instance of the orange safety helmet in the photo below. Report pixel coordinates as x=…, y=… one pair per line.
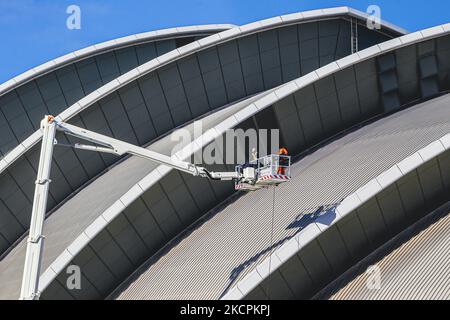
x=283, y=151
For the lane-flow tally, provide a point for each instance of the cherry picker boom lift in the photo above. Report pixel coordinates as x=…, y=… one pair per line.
x=263, y=172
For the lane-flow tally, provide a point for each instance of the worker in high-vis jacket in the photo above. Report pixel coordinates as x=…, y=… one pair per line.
x=283, y=162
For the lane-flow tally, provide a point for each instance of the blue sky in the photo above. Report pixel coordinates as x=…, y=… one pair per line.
x=34, y=31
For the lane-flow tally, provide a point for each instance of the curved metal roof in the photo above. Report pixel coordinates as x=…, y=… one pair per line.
x=109, y=45
x=183, y=31
x=413, y=266
x=232, y=249
x=271, y=96
x=73, y=169
x=288, y=89
x=76, y=222
x=184, y=51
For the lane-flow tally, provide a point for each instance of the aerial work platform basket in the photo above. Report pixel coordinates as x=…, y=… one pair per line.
x=266, y=171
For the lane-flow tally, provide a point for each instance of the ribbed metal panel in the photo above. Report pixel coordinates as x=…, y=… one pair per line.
x=221, y=251
x=414, y=265
x=72, y=218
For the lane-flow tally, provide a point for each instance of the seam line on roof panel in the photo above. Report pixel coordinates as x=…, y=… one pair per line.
x=302, y=129
x=216, y=50
x=189, y=192
x=99, y=104
x=65, y=100
x=299, y=47
x=184, y=89
x=195, y=55
x=14, y=218
x=364, y=231
x=119, y=96
x=170, y=201
x=147, y=108
x=240, y=66
x=98, y=291
x=116, y=242
x=330, y=266
x=117, y=93
x=144, y=203
x=5, y=240
x=121, y=101
x=158, y=78
x=90, y=246
x=75, y=66
x=377, y=202
x=441, y=173
x=341, y=238
x=316, y=101
x=357, y=89
x=420, y=186
x=335, y=58
x=402, y=203
x=287, y=284
x=19, y=98
x=68, y=291
x=30, y=201
x=333, y=78
x=304, y=267
x=141, y=94
x=138, y=234
x=277, y=34
x=10, y=129
x=260, y=61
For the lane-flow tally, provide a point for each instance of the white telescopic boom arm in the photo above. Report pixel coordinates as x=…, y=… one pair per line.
x=31, y=273
x=114, y=146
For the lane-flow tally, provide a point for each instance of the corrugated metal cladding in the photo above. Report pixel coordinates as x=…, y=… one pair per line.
x=218, y=253
x=151, y=106
x=203, y=260
x=414, y=265
x=20, y=114
x=306, y=118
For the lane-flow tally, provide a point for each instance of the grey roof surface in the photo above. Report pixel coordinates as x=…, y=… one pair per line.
x=72, y=169
x=220, y=252
x=96, y=49
x=59, y=264
x=415, y=265
x=52, y=87
x=80, y=211
x=77, y=223
x=268, y=61
x=179, y=32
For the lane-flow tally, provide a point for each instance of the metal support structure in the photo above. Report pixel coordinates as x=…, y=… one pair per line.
x=117, y=147
x=31, y=272
x=49, y=126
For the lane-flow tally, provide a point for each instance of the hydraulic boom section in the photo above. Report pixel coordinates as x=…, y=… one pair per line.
x=266, y=171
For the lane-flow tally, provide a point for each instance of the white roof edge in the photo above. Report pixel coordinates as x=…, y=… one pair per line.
x=300, y=83
x=195, y=46
x=388, y=25
x=355, y=201
x=154, y=35
x=102, y=47
x=290, y=87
